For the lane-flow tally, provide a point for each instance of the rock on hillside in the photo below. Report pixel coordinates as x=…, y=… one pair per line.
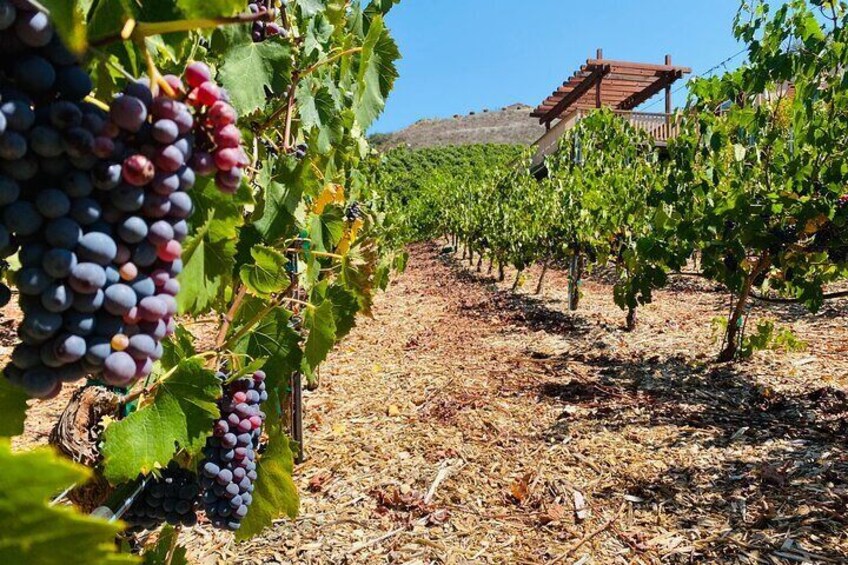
x=510, y=125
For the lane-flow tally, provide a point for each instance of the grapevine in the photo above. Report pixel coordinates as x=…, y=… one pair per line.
x=750, y=194
x=143, y=170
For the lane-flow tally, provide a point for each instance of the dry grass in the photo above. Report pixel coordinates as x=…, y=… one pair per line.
x=469, y=424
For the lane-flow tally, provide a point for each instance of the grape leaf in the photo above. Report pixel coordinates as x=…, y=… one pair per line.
x=275, y=216
x=107, y=18
x=377, y=73
x=310, y=7
x=345, y=308
x=345, y=305
x=321, y=323
x=249, y=70
x=180, y=414
x=267, y=275
x=209, y=254
x=210, y=8
x=318, y=110
x=327, y=228
x=318, y=34
x=13, y=406
x=272, y=337
x=207, y=272
x=158, y=553
x=178, y=347
x=380, y=7
x=34, y=532
x=275, y=494
x=69, y=20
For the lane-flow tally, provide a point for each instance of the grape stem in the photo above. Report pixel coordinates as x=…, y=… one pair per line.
x=330, y=59
x=230, y=316
x=102, y=105
x=288, y=107
x=139, y=30
x=317, y=253
x=152, y=72
x=228, y=345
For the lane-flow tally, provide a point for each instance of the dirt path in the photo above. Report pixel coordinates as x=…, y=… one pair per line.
x=468, y=424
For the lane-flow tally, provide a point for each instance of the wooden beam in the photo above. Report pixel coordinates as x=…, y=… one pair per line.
x=649, y=92
x=574, y=95
x=637, y=66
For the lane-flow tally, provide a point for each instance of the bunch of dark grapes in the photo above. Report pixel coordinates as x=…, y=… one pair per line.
x=229, y=468
x=98, y=204
x=101, y=240
x=172, y=497
x=353, y=212
x=34, y=66
x=218, y=139
x=265, y=28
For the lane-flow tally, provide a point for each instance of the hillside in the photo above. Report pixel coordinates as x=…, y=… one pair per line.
x=510, y=125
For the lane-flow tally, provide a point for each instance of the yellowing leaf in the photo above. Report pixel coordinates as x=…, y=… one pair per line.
x=332, y=194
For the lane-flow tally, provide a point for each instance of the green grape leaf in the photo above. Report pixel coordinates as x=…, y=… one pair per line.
x=34, y=532
x=275, y=216
x=207, y=272
x=318, y=34
x=321, y=323
x=345, y=305
x=318, y=110
x=209, y=253
x=267, y=275
x=309, y=8
x=272, y=338
x=158, y=553
x=247, y=69
x=107, y=18
x=210, y=8
x=345, y=309
x=377, y=73
x=69, y=19
x=380, y=7
x=179, y=415
x=178, y=347
x=13, y=406
x=275, y=494
x=327, y=228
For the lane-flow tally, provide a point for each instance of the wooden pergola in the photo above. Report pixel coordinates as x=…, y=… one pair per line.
x=620, y=85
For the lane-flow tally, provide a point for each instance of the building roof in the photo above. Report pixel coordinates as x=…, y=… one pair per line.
x=602, y=82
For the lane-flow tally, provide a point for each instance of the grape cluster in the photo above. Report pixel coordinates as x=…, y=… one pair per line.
x=263, y=29
x=218, y=139
x=97, y=202
x=103, y=237
x=353, y=212
x=34, y=66
x=229, y=468
x=172, y=497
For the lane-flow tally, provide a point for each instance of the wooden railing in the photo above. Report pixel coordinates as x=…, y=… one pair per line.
x=662, y=127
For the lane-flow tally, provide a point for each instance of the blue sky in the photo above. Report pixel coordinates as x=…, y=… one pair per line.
x=467, y=55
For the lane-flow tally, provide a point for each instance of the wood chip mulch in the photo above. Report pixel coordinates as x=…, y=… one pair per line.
x=466, y=423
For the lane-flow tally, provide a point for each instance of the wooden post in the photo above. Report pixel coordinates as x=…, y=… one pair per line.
x=668, y=101
x=598, y=91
